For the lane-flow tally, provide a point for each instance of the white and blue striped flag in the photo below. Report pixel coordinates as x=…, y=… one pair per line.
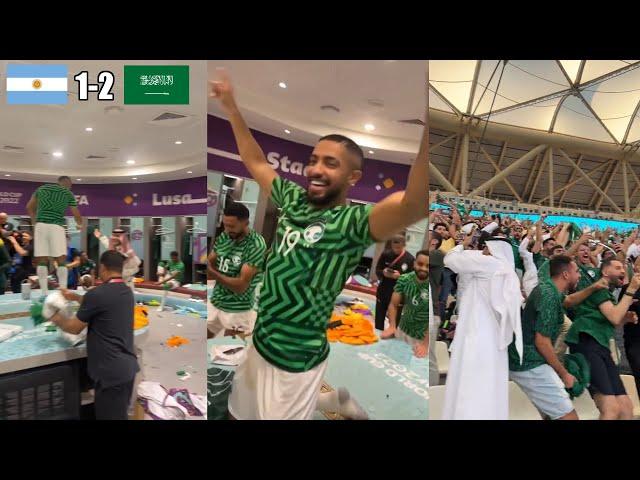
x=36, y=84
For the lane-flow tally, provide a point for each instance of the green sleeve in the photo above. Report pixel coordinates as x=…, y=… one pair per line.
x=400, y=284
x=256, y=252
x=547, y=313
x=359, y=231
x=284, y=192
x=72, y=200
x=599, y=297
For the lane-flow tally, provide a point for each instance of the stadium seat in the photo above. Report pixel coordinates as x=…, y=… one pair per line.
x=520, y=407
x=585, y=407
x=442, y=357
x=436, y=402
x=630, y=386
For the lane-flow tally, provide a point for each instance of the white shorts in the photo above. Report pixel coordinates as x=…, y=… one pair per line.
x=173, y=283
x=545, y=390
x=261, y=391
x=49, y=240
x=219, y=321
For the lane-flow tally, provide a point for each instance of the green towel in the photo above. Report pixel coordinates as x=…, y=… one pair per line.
x=577, y=365
x=575, y=232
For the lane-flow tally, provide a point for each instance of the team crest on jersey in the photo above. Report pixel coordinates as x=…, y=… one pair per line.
x=404, y=267
x=313, y=232
x=236, y=259
x=592, y=274
x=424, y=296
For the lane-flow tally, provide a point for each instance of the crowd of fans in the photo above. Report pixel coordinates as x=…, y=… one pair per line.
x=606, y=260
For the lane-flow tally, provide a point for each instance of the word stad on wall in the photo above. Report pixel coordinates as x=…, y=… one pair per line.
x=285, y=165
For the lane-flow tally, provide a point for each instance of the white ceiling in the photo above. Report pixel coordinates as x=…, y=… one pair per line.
x=127, y=135
x=346, y=84
x=592, y=99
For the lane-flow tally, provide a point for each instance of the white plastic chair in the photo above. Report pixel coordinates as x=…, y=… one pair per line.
x=436, y=402
x=442, y=357
x=630, y=386
x=520, y=407
x=585, y=407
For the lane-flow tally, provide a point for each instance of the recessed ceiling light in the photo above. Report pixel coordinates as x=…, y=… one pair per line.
x=369, y=127
x=57, y=154
x=88, y=129
x=189, y=171
x=178, y=142
x=287, y=131
x=131, y=162
x=78, y=179
x=7, y=174
x=282, y=85
x=371, y=152
x=134, y=178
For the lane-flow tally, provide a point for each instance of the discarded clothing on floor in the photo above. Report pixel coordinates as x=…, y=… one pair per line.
x=7, y=331
x=351, y=328
x=174, y=404
x=219, y=383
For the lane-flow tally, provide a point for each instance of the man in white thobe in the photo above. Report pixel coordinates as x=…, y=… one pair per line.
x=477, y=385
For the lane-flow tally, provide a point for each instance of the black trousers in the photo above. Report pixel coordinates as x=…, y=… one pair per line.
x=632, y=349
x=112, y=402
x=19, y=276
x=383, y=299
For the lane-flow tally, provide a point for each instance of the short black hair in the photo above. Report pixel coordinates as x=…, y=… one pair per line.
x=349, y=144
x=438, y=238
x=63, y=177
x=559, y=264
x=174, y=254
x=607, y=261
x=112, y=261
x=548, y=240
x=238, y=210
x=422, y=252
x=557, y=247
x=436, y=225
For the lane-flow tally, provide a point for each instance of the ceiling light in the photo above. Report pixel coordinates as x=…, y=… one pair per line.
x=371, y=152
x=131, y=162
x=7, y=174
x=57, y=154
x=78, y=179
x=134, y=178
x=282, y=85
x=286, y=131
x=88, y=129
x=189, y=171
x=178, y=142
x=369, y=127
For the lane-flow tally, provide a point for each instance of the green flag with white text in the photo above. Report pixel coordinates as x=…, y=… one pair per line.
x=156, y=84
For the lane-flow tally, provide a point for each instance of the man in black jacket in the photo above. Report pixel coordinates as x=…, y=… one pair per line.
x=111, y=358
x=391, y=264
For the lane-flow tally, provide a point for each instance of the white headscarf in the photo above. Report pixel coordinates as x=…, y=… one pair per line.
x=506, y=297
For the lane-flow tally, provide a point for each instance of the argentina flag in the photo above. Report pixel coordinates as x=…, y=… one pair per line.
x=36, y=84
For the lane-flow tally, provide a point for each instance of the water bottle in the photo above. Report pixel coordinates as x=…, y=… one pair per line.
x=25, y=288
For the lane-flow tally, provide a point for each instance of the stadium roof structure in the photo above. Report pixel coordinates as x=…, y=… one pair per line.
x=559, y=133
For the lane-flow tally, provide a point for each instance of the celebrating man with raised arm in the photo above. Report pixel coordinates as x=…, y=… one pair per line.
x=318, y=243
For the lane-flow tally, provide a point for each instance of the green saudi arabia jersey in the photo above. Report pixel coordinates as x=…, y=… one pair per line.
x=85, y=268
x=53, y=201
x=313, y=253
x=590, y=320
x=176, y=267
x=588, y=275
x=542, y=314
x=415, y=311
x=230, y=257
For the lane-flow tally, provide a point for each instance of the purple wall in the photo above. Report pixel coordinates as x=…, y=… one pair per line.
x=158, y=199
x=379, y=178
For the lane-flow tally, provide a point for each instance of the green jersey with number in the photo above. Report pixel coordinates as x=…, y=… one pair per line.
x=53, y=201
x=313, y=254
x=415, y=311
x=177, y=268
x=231, y=255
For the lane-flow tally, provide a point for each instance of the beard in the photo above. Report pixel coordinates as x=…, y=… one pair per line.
x=328, y=198
x=422, y=275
